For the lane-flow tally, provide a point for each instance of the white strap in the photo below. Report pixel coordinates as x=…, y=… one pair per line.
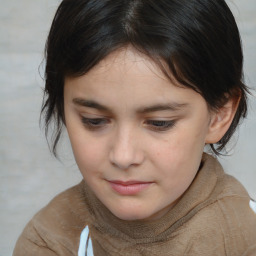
x=85, y=240
x=253, y=205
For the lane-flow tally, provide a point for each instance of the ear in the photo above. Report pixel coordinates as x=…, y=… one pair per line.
x=221, y=121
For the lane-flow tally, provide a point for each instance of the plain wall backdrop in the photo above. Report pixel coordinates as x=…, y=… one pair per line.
x=29, y=175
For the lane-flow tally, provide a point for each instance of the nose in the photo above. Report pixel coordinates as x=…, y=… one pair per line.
x=126, y=150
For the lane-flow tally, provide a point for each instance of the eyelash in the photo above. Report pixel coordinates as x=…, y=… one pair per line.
x=160, y=125
x=94, y=123
x=155, y=125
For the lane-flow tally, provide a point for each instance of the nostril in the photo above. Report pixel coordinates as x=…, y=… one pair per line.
x=124, y=159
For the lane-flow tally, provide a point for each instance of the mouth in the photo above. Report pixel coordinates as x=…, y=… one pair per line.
x=131, y=187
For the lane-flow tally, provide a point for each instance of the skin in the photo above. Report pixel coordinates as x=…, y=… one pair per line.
x=116, y=134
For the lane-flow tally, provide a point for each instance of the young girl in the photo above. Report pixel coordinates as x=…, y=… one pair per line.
x=142, y=86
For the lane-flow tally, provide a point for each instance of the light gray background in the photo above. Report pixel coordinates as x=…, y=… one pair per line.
x=29, y=175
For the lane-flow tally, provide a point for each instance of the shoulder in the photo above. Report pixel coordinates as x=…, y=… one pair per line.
x=56, y=229
x=228, y=224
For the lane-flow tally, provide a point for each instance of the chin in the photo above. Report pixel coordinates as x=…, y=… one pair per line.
x=130, y=215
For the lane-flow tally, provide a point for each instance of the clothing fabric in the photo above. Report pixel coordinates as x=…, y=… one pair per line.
x=213, y=217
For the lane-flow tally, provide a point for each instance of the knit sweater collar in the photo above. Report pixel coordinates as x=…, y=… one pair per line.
x=202, y=192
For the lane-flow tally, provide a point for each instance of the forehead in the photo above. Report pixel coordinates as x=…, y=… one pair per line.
x=129, y=77
x=127, y=61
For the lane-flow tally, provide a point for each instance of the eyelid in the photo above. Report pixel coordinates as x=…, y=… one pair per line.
x=95, y=123
x=90, y=115
x=160, y=125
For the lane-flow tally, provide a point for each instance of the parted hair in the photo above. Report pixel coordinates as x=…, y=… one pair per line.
x=196, y=41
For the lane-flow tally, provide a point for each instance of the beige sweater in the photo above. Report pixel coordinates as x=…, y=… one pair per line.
x=213, y=217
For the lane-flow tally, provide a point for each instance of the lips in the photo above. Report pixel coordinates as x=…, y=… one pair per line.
x=129, y=187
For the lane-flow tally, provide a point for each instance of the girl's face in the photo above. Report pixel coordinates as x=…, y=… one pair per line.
x=137, y=138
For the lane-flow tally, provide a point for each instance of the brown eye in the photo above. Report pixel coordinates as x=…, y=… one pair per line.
x=94, y=123
x=160, y=125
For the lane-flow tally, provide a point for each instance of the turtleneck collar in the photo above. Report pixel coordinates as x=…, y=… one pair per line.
x=202, y=192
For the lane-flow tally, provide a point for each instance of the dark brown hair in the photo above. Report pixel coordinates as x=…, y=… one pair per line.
x=197, y=39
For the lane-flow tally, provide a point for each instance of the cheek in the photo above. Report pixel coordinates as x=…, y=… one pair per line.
x=179, y=156
x=88, y=154
x=190, y=140
x=86, y=150
x=167, y=156
x=177, y=167
x=174, y=147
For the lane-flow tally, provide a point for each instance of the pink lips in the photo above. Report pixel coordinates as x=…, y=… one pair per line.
x=129, y=187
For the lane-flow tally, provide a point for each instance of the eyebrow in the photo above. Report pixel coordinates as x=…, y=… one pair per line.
x=89, y=104
x=173, y=106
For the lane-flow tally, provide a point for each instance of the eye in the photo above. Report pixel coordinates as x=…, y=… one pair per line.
x=160, y=125
x=94, y=123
